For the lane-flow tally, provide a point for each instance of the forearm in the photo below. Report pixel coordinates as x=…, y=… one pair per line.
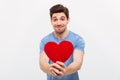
x=72, y=68
x=43, y=62
x=76, y=64
x=45, y=67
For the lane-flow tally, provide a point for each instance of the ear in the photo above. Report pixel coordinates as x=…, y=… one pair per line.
x=51, y=20
x=68, y=20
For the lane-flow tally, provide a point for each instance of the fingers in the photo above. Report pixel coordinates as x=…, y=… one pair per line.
x=58, y=69
x=61, y=64
x=52, y=72
x=56, y=72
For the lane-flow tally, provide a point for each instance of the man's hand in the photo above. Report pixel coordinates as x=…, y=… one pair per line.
x=58, y=69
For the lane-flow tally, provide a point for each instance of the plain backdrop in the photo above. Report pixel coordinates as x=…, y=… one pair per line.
x=23, y=23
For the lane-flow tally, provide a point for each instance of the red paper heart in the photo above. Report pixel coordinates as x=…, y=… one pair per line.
x=59, y=52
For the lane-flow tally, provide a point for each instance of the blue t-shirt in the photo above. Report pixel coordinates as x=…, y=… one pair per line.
x=78, y=43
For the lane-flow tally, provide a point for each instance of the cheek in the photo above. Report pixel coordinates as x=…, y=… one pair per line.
x=65, y=23
x=52, y=23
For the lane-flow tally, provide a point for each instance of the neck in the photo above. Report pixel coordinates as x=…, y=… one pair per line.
x=62, y=35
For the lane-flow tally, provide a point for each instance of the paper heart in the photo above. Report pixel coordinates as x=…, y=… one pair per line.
x=59, y=52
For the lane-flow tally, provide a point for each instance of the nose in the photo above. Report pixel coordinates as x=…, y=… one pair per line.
x=59, y=22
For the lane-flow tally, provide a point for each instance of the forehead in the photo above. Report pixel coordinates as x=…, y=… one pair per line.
x=58, y=15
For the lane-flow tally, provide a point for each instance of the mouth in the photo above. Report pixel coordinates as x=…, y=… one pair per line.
x=59, y=26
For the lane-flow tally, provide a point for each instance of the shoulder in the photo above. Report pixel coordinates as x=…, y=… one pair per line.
x=47, y=37
x=77, y=41
x=76, y=36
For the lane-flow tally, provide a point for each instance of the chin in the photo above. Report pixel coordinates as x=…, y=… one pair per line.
x=59, y=32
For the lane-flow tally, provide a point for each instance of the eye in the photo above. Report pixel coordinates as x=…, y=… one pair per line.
x=54, y=19
x=62, y=19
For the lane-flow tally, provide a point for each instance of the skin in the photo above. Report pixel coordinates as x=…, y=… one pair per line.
x=59, y=22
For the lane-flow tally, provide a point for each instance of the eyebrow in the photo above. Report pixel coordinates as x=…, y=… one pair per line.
x=53, y=17
x=61, y=17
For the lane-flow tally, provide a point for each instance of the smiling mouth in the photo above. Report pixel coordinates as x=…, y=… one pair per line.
x=59, y=26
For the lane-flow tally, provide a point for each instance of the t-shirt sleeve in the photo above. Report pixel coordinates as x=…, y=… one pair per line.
x=80, y=44
x=41, y=46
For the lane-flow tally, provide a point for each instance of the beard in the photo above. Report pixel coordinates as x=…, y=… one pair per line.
x=60, y=31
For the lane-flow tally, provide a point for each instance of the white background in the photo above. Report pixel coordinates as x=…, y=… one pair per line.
x=23, y=23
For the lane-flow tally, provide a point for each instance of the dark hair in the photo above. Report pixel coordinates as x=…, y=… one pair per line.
x=58, y=8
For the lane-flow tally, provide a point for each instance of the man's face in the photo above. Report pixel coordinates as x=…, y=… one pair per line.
x=59, y=22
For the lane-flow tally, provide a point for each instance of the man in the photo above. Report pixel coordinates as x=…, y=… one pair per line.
x=67, y=70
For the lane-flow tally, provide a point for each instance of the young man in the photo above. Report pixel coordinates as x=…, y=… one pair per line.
x=69, y=69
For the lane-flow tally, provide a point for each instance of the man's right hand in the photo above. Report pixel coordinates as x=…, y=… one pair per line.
x=58, y=69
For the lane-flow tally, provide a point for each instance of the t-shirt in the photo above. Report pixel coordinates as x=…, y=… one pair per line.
x=77, y=42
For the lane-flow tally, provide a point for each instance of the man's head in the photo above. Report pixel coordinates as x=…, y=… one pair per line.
x=59, y=18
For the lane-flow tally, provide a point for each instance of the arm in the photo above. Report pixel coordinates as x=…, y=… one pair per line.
x=43, y=62
x=76, y=64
